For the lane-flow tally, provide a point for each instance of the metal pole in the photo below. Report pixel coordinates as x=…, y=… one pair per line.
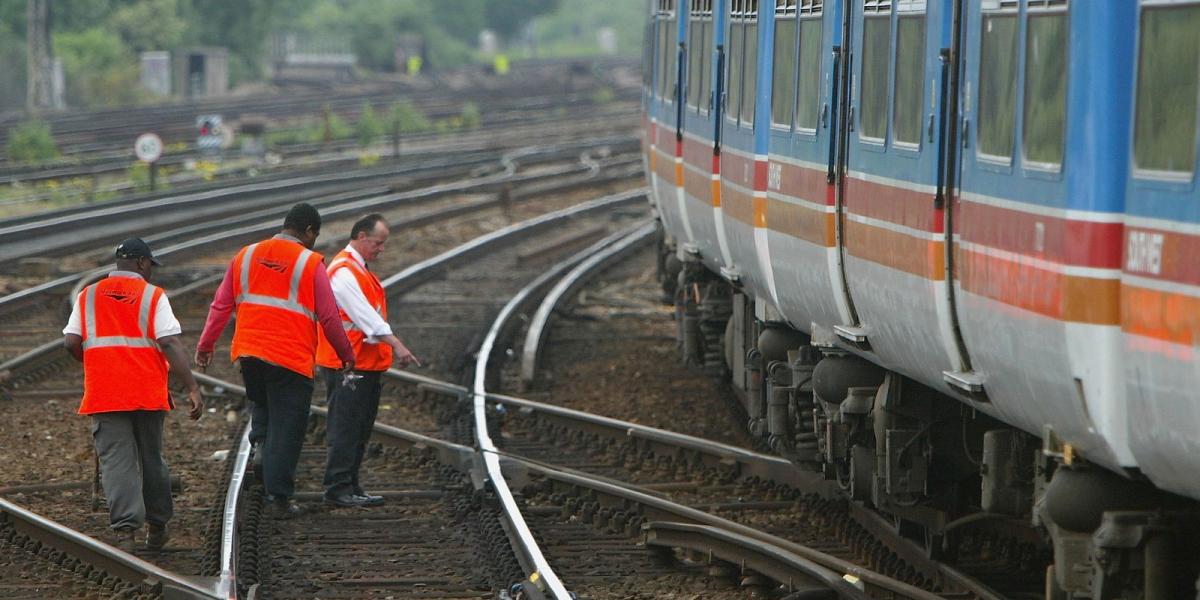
x=153, y=174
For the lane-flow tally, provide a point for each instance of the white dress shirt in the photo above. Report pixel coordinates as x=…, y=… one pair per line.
x=165, y=322
x=351, y=299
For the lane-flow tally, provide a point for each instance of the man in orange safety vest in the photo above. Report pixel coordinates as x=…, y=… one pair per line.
x=123, y=331
x=280, y=291
x=353, y=404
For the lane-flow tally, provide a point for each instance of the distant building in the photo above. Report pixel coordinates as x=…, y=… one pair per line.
x=156, y=72
x=201, y=72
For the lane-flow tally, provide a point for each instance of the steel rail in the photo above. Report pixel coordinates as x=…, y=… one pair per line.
x=509, y=177
x=535, y=333
x=537, y=569
x=747, y=462
x=125, y=566
x=422, y=271
x=48, y=234
x=262, y=227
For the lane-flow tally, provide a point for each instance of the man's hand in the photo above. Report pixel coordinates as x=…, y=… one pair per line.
x=347, y=366
x=197, y=403
x=401, y=354
x=203, y=358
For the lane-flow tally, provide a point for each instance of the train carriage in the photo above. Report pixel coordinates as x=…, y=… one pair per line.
x=945, y=233
x=1160, y=276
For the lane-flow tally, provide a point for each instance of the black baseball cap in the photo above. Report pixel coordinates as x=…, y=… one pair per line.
x=135, y=248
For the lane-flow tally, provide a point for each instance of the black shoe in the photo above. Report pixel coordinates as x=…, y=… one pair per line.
x=369, y=499
x=157, y=536
x=347, y=500
x=281, y=507
x=256, y=462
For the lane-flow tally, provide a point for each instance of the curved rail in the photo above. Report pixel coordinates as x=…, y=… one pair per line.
x=532, y=560
x=260, y=226
x=670, y=443
x=420, y=272
x=53, y=232
x=535, y=333
x=125, y=566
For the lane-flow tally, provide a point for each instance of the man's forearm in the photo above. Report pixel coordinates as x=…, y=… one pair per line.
x=173, y=349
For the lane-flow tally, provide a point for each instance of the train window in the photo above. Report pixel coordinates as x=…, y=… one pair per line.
x=647, y=56
x=808, y=96
x=908, y=101
x=877, y=35
x=706, y=68
x=734, y=81
x=699, y=54
x=1164, y=135
x=750, y=73
x=783, y=88
x=1045, y=104
x=665, y=51
x=695, y=53
x=998, y=85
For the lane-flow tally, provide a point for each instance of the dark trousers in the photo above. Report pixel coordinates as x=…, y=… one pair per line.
x=137, y=483
x=279, y=407
x=347, y=428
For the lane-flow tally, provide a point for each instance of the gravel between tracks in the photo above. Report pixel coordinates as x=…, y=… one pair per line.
x=46, y=442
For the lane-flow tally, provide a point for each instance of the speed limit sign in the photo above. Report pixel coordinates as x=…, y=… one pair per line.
x=148, y=147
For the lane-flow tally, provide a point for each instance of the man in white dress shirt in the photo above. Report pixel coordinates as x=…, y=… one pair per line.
x=354, y=399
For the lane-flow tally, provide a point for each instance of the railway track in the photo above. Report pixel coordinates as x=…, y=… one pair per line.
x=35, y=310
x=82, y=132
x=667, y=513
x=547, y=181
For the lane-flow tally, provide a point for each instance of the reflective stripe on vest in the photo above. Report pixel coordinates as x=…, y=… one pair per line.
x=108, y=341
x=347, y=324
x=292, y=303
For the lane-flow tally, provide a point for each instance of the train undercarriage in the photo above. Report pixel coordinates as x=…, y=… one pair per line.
x=962, y=485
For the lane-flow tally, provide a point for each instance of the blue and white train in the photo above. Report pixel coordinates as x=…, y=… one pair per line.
x=947, y=253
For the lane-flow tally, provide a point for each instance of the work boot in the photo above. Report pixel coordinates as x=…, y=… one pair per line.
x=125, y=539
x=256, y=462
x=368, y=499
x=281, y=507
x=157, y=536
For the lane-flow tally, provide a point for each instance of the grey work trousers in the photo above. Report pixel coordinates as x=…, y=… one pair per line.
x=136, y=480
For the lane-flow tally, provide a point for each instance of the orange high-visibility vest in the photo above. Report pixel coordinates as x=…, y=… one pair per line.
x=276, y=305
x=367, y=356
x=123, y=367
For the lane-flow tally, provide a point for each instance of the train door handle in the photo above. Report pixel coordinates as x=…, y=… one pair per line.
x=966, y=132
x=850, y=120
x=930, y=128
x=825, y=116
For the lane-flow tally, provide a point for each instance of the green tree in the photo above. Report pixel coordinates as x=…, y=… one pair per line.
x=509, y=17
x=369, y=127
x=31, y=141
x=409, y=118
x=242, y=27
x=100, y=70
x=149, y=24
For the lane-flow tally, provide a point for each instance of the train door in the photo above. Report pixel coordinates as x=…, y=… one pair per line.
x=666, y=161
x=743, y=149
x=1160, y=283
x=805, y=258
x=894, y=235
x=647, y=92
x=1038, y=216
x=698, y=162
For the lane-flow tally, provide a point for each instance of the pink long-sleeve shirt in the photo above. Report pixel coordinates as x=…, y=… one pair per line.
x=224, y=303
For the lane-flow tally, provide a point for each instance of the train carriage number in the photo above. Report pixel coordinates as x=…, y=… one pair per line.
x=775, y=176
x=1144, y=253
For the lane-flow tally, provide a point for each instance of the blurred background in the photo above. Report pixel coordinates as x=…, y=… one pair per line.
x=107, y=53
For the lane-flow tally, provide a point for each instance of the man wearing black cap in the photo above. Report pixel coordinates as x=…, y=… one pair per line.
x=123, y=331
